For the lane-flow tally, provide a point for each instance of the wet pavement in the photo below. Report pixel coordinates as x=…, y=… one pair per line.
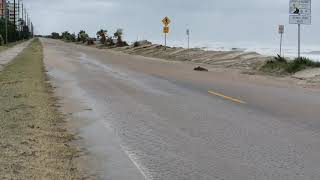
x=149, y=119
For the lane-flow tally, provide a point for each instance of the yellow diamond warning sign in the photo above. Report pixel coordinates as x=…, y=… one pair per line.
x=166, y=21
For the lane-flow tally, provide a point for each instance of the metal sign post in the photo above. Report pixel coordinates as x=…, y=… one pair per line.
x=165, y=40
x=300, y=13
x=188, y=36
x=166, y=21
x=281, y=31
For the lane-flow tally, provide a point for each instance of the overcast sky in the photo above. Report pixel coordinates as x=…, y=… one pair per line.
x=228, y=21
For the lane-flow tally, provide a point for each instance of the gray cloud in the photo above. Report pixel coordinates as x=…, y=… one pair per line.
x=230, y=21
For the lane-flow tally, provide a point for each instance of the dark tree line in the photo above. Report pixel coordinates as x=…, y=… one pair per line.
x=14, y=34
x=102, y=36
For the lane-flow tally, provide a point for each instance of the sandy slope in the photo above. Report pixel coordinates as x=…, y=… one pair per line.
x=230, y=59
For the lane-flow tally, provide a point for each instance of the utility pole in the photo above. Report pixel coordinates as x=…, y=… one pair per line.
x=299, y=40
x=22, y=13
x=6, y=21
x=19, y=22
x=14, y=14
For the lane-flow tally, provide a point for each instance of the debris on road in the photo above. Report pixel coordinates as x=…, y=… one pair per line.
x=199, y=68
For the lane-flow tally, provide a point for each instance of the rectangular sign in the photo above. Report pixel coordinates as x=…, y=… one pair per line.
x=166, y=29
x=300, y=7
x=300, y=19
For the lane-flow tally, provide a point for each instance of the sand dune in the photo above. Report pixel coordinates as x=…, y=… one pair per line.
x=230, y=59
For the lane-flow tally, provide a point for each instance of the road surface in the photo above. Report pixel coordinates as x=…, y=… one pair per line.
x=144, y=118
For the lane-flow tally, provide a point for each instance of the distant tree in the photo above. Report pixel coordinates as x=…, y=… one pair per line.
x=83, y=36
x=102, y=34
x=118, y=35
x=73, y=37
x=68, y=37
x=55, y=35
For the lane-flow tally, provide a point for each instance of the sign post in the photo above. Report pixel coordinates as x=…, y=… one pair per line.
x=6, y=14
x=166, y=21
x=300, y=13
x=281, y=31
x=188, y=36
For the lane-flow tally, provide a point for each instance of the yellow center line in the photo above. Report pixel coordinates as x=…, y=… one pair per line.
x=227, y=97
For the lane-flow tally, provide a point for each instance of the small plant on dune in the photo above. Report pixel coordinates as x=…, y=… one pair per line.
x=136, y=44
x=282, y=65
x=301, y=63
x=280, y=58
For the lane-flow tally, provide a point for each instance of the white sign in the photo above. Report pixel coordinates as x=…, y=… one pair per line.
x=300, y=7
x=300, y=12
x=300, y=19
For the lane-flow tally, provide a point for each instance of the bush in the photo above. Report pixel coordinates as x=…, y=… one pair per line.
x=282, y=65
x=280, y=58
x=55, y=35
x=136, y=44
x=90, y=41
x=300, y=64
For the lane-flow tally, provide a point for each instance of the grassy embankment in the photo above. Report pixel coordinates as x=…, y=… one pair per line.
x=281, y=65
x=34, y=143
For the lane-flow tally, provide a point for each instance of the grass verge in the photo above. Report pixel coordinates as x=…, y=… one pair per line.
x=34, y=143
x=281, y=65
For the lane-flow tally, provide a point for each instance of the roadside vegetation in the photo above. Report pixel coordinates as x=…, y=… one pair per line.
x=13, y=34
x=282, y=65
x=34, y=140
x=102, y=38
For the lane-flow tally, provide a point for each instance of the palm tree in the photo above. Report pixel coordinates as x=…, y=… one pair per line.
x=118, y=35
x=102, y=34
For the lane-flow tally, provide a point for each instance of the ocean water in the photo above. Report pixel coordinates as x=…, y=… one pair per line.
x=290, y=51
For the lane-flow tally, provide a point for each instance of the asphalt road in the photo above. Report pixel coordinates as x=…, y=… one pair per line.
x=144, y=118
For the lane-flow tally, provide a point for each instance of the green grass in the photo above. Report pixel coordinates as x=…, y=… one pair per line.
x=281, y=65
x=34, y=141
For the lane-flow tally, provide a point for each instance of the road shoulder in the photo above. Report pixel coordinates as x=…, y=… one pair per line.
x=34, y=141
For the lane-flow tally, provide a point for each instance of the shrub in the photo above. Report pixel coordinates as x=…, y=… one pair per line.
x=136, y=44
x=282, y=65
x=55, y=35
x=90, y=41
x=280, y=58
